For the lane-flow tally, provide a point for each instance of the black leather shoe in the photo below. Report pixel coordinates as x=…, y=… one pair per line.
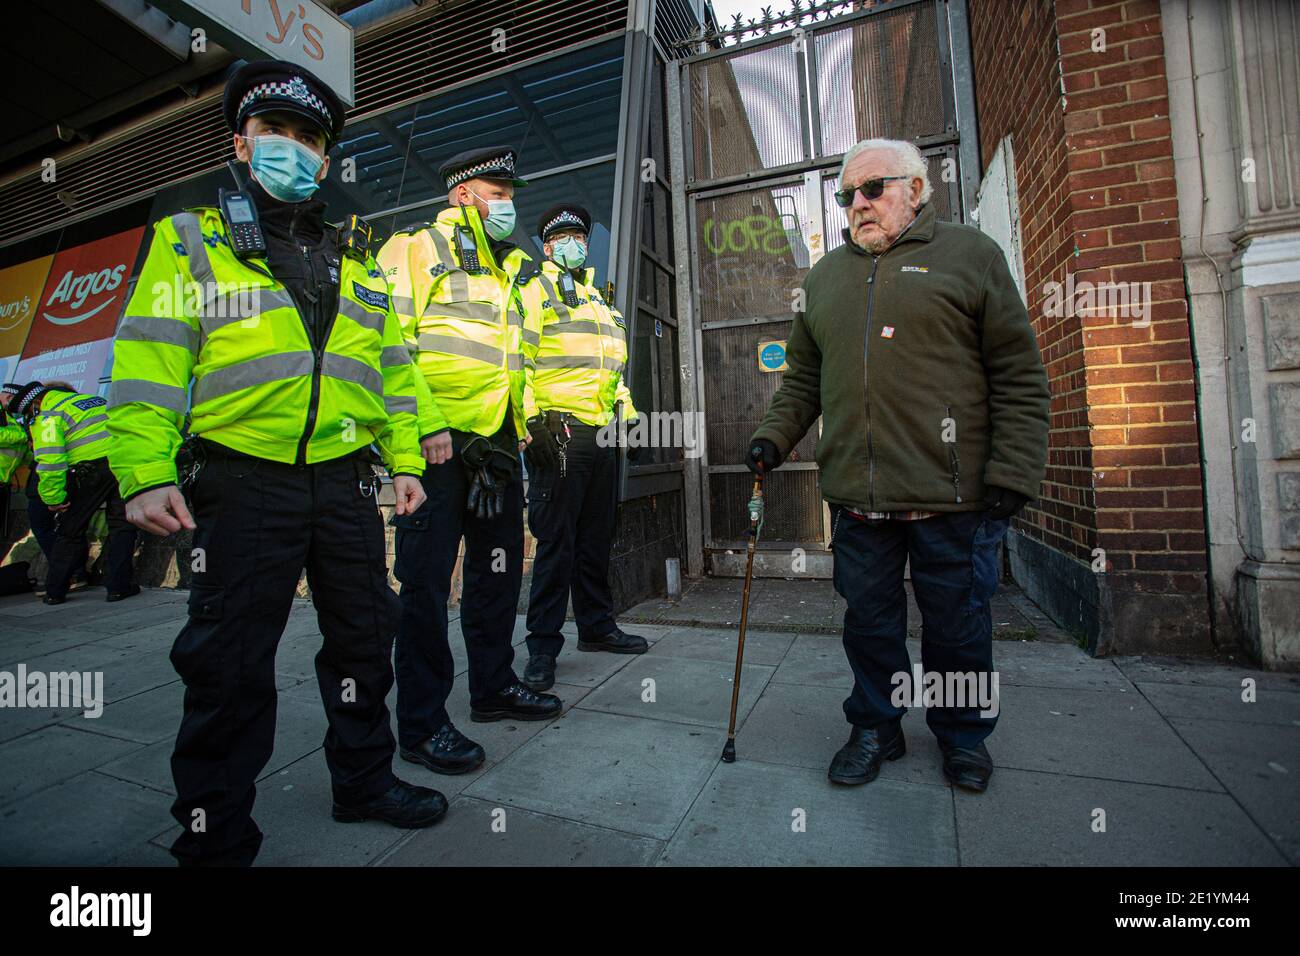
x=968, y=768
x=859, y=760
x=448, y=751
x=123, y=595
x=540, y=672
x=404, y=805
x=616, y=642
x=52, y=599
x=517, y=702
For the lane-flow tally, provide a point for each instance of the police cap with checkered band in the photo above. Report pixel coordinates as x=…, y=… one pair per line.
x=266, y=85
x=566, y=215
x=495, y=162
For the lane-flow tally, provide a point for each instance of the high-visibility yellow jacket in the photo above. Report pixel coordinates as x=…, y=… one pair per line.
x=462, y=320
x=13, y=449
x=580, y=360
x=260, y=386
x=69, y=429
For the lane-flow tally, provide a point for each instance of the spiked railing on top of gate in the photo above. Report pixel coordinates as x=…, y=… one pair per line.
x=800, y=13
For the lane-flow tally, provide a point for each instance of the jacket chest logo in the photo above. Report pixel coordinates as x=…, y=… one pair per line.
x=370, y=297
x=914, y=269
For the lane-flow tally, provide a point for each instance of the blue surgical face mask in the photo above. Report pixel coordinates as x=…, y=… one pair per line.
x=285, y=168
x=569, y=253
x=500, y=220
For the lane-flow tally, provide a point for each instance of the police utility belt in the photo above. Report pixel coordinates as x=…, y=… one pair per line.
x=196, y=452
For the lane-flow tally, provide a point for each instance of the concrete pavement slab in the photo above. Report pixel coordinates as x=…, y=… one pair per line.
x=686, y=691
x=1045, y=819
x=1258, y=764
x=145, y=718
x=1093, y=733
x=624, y=773
x=467, y=837
x=1224, y=702
x=44, y=758
x=815, y=659
x=802, y=726
x=1170, y=670
x=713, y=644
x=754, y=814
x=86, y=820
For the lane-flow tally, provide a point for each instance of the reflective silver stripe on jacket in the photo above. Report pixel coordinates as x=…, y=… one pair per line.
x=250, y=373
x=55, y=466
x=248, y=305
x=86, y=440
x=157, y=330
x=531, y=337
x=86, y=423
x=577, y=361
x=557, y=302
x=476, y=311
x=432, y=342
x=347, y=369
x=124, y=391
x=358, y=313
x=190, y=232
x=395, y=404
x=394, y=356
x=50, y=450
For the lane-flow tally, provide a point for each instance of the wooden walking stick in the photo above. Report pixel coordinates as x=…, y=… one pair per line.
x=755, y=523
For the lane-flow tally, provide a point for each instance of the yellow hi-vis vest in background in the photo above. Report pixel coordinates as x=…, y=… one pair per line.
x=580, y=361
x=462, y=319
x=13, y=449
x=69, y=429
x=259, y=385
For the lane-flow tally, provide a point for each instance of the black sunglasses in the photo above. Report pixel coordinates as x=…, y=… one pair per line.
x=872, y=189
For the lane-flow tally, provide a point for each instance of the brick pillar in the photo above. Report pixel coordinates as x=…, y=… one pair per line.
x=1080, y=88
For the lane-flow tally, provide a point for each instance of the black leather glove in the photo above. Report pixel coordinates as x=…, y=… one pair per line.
x=543, y=451
x=1003, y=502
x=762, y=452
x=489, y=471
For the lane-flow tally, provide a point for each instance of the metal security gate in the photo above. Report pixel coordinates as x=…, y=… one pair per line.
x=763, y=127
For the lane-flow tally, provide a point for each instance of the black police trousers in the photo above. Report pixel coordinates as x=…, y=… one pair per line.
x=260, y=523
x=572, y=518
x=426, y=546
x=91, y=484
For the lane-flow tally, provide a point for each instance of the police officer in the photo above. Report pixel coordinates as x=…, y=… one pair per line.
x=15, y=454
x=70, y=444
x=286, y=327
x=575, y=381
x=455, y=287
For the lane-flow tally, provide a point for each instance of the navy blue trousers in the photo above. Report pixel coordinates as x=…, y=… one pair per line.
x=426, y=545
x=954, y=574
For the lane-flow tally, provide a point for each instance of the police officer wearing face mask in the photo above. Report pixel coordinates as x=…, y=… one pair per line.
x=576, y=383
x=456, y=290
x=285, y=325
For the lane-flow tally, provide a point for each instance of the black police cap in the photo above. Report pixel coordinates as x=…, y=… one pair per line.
x=265, y=85
x=495, y=162
x=567, y=215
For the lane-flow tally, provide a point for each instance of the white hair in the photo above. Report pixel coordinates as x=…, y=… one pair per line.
x=910, y=161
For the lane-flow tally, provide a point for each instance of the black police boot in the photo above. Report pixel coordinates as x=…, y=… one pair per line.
x=859, y=760
x=54, y=598
x=516, y=701
x=403, y=805
x=540, y=672
x=968, y=767
x=616, y=642
x=130, y=592
x=448, y=751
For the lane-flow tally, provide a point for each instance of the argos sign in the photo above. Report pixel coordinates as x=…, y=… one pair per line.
x=85, y=293
x=77, y=312
x=73, y=291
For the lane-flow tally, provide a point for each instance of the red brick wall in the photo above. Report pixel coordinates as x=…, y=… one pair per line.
x=1018, y=92
x=1094, y=172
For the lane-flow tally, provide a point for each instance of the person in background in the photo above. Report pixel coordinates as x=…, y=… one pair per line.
x=70, y=444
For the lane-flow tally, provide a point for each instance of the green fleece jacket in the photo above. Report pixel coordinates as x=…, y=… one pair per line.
x=925, y=369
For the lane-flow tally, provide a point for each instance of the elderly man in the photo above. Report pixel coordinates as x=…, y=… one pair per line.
x=915, y=347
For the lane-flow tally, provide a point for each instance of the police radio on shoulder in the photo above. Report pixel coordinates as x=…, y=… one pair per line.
x=246, y=237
